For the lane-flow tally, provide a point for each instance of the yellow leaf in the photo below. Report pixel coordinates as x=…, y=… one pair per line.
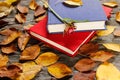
x=106, y=32
x=47, y=59
x=111, y=4
x=30, y=69
x=74, y=2
x=107, y=71
x=10, y=1
x=118, y=16
x=59, y=70
x=3, y=60
x=112, y=46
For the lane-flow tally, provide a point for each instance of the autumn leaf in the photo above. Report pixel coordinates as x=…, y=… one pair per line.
x=47, y=58
x=111, y=4
x=23, y=40
x=106, y=32
x=8, y=49
x=101, y=56
x=5, y=9
x=12, y=71
x=39, y=11
x=10, y=1
x=84, y=76
x=116, y=32
x=117, y=17
x=20, y=18
x=112, y=46
x=22, y=9
x=10, y=38
x=40, y=18
x=107, y=71
x=88, y=48
x=3, y=60
x=30, y=53
x=59, y=70
x=87, y=63
x=3, y=23
x=33, y=5
x=30, y=69
x=73, y=2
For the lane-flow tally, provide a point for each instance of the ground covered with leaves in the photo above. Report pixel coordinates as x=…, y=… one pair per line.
x=25, y=58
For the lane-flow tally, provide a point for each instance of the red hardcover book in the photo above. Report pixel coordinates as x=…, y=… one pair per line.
x=68, y=44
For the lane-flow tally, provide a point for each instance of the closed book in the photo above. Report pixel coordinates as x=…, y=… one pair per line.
x=89, y=16
x=68, y=44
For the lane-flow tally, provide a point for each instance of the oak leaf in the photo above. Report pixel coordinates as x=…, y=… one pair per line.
x=47, y=58
x=30, y=53
x=59, y=70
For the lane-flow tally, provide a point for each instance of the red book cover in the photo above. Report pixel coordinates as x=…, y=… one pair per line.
x=68, y=44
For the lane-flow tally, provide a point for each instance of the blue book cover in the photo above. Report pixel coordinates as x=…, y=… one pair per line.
x=91, y=10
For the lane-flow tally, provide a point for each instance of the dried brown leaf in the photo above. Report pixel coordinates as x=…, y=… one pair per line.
x=39, y=11
x=8, y=49
x=101, y=56
x=3, y=23
x=118, y=17
x=111, y=4
x=87, y=63
x=23, y=40
x=33, y=5
x=116, y=32
x=10, y=38
x=73, y=2
x=22, y=9
x=20, y=18
x=88, y=48
x=3, y=60
x=59, y=70
x=47, y=58
x=84, y=76
x=12, y=71
x=30, y=53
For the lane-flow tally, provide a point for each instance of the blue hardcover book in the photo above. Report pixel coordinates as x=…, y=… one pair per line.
x=90, y=16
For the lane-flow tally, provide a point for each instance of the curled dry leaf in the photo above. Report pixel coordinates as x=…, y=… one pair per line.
x=112, y=46
x=33, y=5
x=20, y=18
x=109, y=30
x=39, y=11
x=12, y=71
x=3, y=23
x=101, y=56
x=107, y=71
x=3, y=60
x=87, y=63
x=84, y=76
x=59, y=70
x=40, y=18
x=23, y=40
x=116, y=32
x=22, y=9
x=30, y=53
x=8, y=31
x=88, y=48
x=47, y=58
x=73, y=2
x=111, y=4
x=8, y=49
x=30, y=70
x=118, y=17
x=10, y=38
x=5, y=9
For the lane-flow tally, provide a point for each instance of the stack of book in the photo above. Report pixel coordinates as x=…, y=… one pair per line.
x=50, y=29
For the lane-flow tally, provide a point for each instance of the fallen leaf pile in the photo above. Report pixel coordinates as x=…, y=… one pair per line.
x=35, y=59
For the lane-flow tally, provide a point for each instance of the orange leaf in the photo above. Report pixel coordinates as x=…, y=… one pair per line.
x=23, y=40
x=20, y=18
x=30, y=53
x=8, y=49
x=22, y=9
x=101, y=56
x=3, y=60
x=47, y=59
x=33, y=5
x=118, y=16
x=59, y=70
x=84, y=65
